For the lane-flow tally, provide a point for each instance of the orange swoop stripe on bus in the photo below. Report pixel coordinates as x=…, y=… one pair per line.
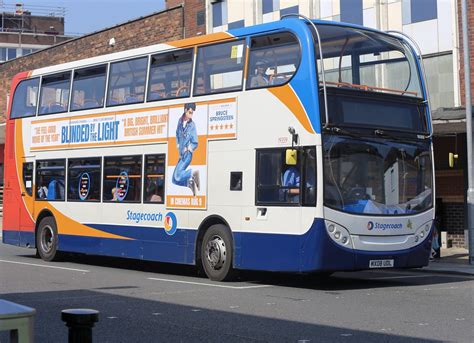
x=213, y=37
x=287, y=96
x=68, y=226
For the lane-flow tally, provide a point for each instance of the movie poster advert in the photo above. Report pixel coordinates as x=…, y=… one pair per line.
x=187, y=156
x=89, y=131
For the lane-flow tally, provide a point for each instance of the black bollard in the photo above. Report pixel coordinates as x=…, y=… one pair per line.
x=80, y=323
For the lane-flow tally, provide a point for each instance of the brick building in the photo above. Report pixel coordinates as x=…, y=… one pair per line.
x=450, y=137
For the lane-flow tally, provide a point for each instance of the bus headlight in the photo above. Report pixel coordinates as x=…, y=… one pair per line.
x=423, y=232
x=339, y=234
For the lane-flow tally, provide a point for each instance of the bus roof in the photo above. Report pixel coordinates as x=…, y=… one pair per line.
x=289, y=23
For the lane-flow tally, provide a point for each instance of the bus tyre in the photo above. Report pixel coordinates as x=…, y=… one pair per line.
x=217, y=252
x=47, y=239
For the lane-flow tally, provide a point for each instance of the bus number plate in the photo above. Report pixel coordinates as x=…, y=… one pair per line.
x=381, y=263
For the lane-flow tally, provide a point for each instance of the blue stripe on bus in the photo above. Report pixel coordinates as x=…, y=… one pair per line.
x=10, y=237
x=19, y=238
x=311, y=251
x=307, y=69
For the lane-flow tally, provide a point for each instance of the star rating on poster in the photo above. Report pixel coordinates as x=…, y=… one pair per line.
x=220, y=127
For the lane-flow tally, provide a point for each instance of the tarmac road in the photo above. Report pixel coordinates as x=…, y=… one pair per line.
x=152, y=302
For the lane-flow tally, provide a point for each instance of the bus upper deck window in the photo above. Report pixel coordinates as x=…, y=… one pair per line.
x=273, y=60
x=55, y=93
x=25, y=99
x=170, y=75
x=88, y=88
x=127, y=82
x=220, y=68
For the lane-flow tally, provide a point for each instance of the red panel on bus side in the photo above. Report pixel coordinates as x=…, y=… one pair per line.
x=13, y=201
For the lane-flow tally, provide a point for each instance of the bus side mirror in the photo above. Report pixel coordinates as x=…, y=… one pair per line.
x=452, y=158
x=291, y=157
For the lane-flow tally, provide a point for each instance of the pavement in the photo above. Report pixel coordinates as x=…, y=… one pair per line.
x=452, y=261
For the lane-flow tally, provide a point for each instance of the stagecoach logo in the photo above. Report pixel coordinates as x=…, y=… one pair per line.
x=382, y=226
x=409, y=224
x=170, y=223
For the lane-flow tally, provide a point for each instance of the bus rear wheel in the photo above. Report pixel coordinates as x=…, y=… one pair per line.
x=47, y=239
x=217, y=253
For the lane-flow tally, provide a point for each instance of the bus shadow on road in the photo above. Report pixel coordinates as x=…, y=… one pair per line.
x=125, y=318
x=353, y=280
x=337, y=281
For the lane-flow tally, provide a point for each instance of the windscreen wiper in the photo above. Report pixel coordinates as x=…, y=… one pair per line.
x=339, y=131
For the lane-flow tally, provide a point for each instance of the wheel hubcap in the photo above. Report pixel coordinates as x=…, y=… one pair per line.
x=216, y=252
x=47, y=239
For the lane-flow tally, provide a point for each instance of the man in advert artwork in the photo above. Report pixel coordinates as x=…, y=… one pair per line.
x=187, y=142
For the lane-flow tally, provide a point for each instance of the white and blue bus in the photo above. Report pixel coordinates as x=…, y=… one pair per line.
x=296, y=146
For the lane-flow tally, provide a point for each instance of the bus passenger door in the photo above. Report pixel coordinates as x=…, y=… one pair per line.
x=27, y=225
x=273, y=227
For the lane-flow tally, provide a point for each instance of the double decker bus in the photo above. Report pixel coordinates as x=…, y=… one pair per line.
x=295, y=146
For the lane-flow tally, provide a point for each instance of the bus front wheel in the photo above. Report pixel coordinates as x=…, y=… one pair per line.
x=217, y=252
x=47, y=239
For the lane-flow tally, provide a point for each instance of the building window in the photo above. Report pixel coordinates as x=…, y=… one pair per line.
x=26, y=51
x=170, y=75
x=236, y=24
x=25, y=99
x=127, y=82
x=289, y=10
x=422, y=10
x=200, y=18
x=154, y=179
x=7, y=54
x=55, y=93
x=351, y=11
x=122, y=179
x=50, y=180
x=220, y=68
x=84, y=179
x=217, y=14
x=269, y=6
x=88, y=88
x=439, y=72
x=11, y=53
